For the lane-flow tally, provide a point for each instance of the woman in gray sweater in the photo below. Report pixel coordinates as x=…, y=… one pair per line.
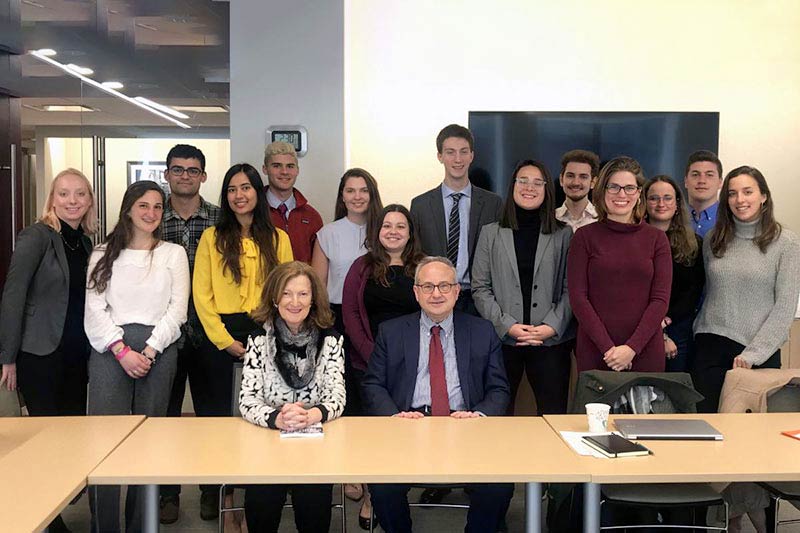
x=752, y=284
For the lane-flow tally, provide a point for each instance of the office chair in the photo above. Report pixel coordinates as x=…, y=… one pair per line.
x=785, y=400
x=680, y=396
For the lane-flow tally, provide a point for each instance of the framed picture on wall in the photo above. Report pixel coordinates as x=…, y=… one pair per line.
x=148, y=170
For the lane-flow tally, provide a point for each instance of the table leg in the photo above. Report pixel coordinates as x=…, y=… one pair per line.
x=150, y=511
x=591, y=508
x=533, y=507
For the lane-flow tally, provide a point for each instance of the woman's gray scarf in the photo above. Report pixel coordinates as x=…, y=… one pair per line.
x=296, y=354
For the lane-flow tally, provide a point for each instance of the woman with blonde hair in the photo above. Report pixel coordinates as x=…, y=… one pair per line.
x=44, y=347
x=619, y=273
x=293, y=378
x=44, y=350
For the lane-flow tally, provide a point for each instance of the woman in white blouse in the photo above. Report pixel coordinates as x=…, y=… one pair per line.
x=338, y=244
x=293, y=378
x=136, y=299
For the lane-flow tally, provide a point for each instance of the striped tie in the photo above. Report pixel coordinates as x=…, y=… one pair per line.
x=454, y=232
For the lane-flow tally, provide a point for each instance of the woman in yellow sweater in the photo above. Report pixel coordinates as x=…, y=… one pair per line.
x=233, y=260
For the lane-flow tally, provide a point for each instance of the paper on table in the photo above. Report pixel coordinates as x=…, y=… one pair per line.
x=573, y=438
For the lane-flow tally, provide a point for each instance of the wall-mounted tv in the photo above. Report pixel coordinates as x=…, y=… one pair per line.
x=660, y=141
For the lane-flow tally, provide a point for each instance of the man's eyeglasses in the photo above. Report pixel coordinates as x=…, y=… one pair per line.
x=613, y=188
x=178, y=171
x=444, y=287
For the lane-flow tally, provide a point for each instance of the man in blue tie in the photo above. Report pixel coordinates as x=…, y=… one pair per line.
x=438, y=362
x=703, y=181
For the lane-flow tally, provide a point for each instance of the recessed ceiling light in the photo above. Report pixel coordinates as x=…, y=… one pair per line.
x=47, y=52
x=112, y=85
x=163, y=108
x=201, y=108
x=80, y=70
x=62, y=108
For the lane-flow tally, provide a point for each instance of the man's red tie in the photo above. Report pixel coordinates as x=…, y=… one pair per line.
x=440, y=403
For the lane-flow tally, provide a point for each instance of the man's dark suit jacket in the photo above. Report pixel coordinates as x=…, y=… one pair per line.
x=388, y=386
x=428, y=216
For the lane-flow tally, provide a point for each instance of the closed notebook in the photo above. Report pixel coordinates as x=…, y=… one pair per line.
x=615, y=446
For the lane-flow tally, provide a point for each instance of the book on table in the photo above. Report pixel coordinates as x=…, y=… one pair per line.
x=314, y=430
x=615, y=446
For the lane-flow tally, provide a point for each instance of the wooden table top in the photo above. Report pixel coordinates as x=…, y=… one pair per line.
x=752, y=450
x=44, y=463
x=353, y=449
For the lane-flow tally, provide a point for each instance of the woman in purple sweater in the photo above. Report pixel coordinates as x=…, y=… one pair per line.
x=619, y=273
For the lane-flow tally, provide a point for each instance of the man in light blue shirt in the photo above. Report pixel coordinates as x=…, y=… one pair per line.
x=451, y=215
x=438, y=362
x=703, y=181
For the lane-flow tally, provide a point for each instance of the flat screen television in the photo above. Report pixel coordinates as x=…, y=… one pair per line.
x=660, y=141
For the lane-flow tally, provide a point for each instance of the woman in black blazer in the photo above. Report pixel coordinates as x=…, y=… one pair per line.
x=519, y=284
x=43, y=348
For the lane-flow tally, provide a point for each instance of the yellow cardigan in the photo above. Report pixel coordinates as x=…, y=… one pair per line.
x=214, y=291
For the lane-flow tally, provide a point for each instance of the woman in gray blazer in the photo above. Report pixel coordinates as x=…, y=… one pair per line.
x=519, y=283
x=43, y=348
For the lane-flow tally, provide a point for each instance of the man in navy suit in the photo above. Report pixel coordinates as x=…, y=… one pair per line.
x=442, y=363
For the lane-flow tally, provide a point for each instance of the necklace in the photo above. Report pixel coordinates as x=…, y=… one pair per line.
x=74, y=248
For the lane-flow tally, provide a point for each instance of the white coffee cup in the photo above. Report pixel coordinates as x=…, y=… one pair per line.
x=597, y=413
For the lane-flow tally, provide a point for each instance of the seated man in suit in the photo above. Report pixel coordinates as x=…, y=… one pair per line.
x=441, y=363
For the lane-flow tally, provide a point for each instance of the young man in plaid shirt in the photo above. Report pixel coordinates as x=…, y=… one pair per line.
x=186, y=216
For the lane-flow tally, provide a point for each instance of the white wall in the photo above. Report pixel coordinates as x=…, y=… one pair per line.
x=415, y=66
x=287, y=67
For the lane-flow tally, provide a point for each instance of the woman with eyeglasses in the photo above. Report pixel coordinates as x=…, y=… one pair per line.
x=667, y=212
x=519, y=284
x=137, y=296
x=378, y=287
x=619, y=274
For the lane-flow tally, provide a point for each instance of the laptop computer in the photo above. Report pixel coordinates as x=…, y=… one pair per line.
x=666, y=429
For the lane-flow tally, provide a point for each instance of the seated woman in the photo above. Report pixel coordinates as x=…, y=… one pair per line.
x=667, y=212
x=136, y=300
x=293, y=377
x=519, y=284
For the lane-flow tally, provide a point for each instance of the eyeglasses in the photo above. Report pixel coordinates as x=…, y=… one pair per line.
x=444, y=287
x=667, y=199
x=613, y=188
x=525, y=182
x=178, y=171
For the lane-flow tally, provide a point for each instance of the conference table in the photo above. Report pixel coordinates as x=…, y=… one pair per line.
x=753, y=449
x=45, y=461
x=352, y=450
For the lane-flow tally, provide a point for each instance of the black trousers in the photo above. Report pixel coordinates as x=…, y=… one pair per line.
x=547, y=369
x=187, y=368
x=263, y=505
x=714, y=355
x=465, y=303
x=215, y=372
x=55, y=384
x=488, y=503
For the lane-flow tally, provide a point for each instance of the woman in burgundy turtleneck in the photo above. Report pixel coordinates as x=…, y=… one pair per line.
x=619, y=274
